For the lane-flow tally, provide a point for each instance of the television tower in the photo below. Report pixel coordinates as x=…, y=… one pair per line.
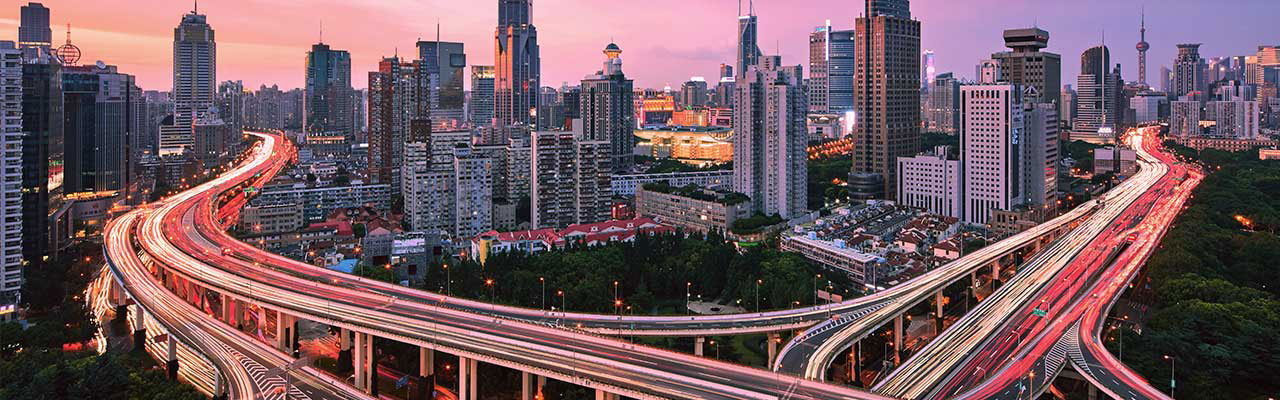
x=1143, y=46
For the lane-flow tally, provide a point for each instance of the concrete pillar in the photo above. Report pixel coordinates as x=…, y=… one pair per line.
x=466, y=378
x=371, y=359
x=857, y=364
x=937, y=301
x=995, y=273
x=139, y=328
x=426, y=361
x=344, y=347
x=475, y=367
x=172, y=365
x=897, y=340
x=280, y=339
x=603, y=395
x=773, y=340
x=1093, y=392
x=361, y=360
x=530, y=386
x=697, y=345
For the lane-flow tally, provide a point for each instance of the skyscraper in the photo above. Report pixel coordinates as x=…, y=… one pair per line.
x=991, y=125
x=395, y=108
x=1096, y=112
x=445, y=63
x=748, y=50
x=607, y=109
x=886, y=96
x=11, y=262
x=769, y=158
x=1188, y=72
x=100, y=108
x=481, y=106
x=41, y=126
x=831, y=61
x=942, y=110
x=927, y=71
x=329, y=100
x=693, y=92
x=571, y=179
x=1040, y=72
x=194, y=76
x=1142, y=47
x=517, y=65
x=34, y=36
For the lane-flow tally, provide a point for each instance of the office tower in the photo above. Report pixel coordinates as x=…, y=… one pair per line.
x=831, y=61
x=231, y=103
x=927, y=70
x=570, y=98
x=100, y=115
x=1184, y=119
x=571, y=182
x=1025, y=65
x=11, y=132
x=1188, y=72
x=987, y=72
x=1039, y=145
x=1166, y=79
x=550, y=110
x=931, y=182
x=481, y=105
x=329, y=100
x=886, y=96
x=194, y=75
x=1096, y=111
x=1267, y=57
x=34, y=36
x=726, y=71
x=444, y=63
x=748, y=50
x=1142, y=47
x=1067, y=107
x=943, y=104
x=991, y=125
x=769, y=158
x=724, y=92
x=1234, y=119
x=394, y=106
x=1149, y=107
x=1218, y=68
x=41, y=127
x=517, y=68
x=473, y=192
x=693, y=93
x=606, y=107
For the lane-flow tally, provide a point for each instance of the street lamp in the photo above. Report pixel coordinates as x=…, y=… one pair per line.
x=815, y=289
x=564, y=303
x=687, y=286
x=1173, y=364
x=543, y=281
x=448, y=282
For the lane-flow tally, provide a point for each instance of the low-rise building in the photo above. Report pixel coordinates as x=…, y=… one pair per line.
x=692, y=208
x=1269, y=154
x=270, y=219
x=627, y=185
x=319, y=201
x=1122, y=162
x=539, y=240
x=931, y=182
x=835, y=255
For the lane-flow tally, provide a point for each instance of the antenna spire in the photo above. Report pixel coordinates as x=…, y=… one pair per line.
x=322, y=31
x=195, y=6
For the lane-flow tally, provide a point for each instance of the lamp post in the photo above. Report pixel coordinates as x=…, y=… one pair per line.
x=1173, y=364
x=543, y=281
x=448, y=282
x=815, y=289
x=564, y=304
x=687, y=286
x=493, y=301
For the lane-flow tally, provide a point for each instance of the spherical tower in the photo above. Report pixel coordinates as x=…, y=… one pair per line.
x=1143, y=46
x=68, y=53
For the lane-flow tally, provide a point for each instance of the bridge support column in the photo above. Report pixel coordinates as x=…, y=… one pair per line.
x=995, y=273
x=344, y=348
x=171, y=366
x=361, y=360
x=1093, y=392
x=467, y=378
x=426, y=361
x=773, y=340
x=280, y=332
x=697, y=345
x=897, y=340
x=856, y=371
x=603, y=395
x=531, y=386
x=937, y=316
x=139, y=328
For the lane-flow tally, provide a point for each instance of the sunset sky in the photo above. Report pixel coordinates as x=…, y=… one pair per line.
x=664, y=42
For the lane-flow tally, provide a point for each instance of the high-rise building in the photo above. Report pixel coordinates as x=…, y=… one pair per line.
x=886, y=95
x=1149, y=107
x=1267, y=57
x=1067, y=107
x=693, y=93
x=481, y=106
x=395, y=109
x=34, y=36
x=1188, y=72
x=231, y=104
x=445, y=62
x=1096, y=113
x=550, y=110
x=726, y=71
x=100, y=111
x=41, y=126
x=1234, y=119
x=517, y=65
x=428, y=190
x=748, y=50
x=606, y=108
x=1166, y=79
x=987, y=72
x=991, y=126
x=1039, y=145
x=329, y=100
x=195, y=63
x=769, y=158
x=927, y=71
x=942, y=105
x=571, y=182
x=831, y=64
x=474, y=174
x=1039, y=72
x=11, y=132
x=1184, y=119
x=1142, y=47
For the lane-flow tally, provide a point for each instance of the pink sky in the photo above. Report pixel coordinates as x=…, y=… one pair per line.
x=664, y=41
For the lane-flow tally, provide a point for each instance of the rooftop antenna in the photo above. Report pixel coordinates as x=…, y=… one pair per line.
x=195, y=7
x=751, y=7
x=322, y=31
x=739, y=8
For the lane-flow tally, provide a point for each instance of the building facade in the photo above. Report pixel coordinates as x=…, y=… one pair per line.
x=11, y=263
x=195, y=74
x=886, y=95
x=606, y=107
x=769, y=158
x=931, y=182
x=517, y=65
x=480, y=109
x=991, y=132
x=831, y=66
x=329, y=100
x=571, y=179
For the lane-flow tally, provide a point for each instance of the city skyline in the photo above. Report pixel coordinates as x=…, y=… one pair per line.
x=659, y=54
